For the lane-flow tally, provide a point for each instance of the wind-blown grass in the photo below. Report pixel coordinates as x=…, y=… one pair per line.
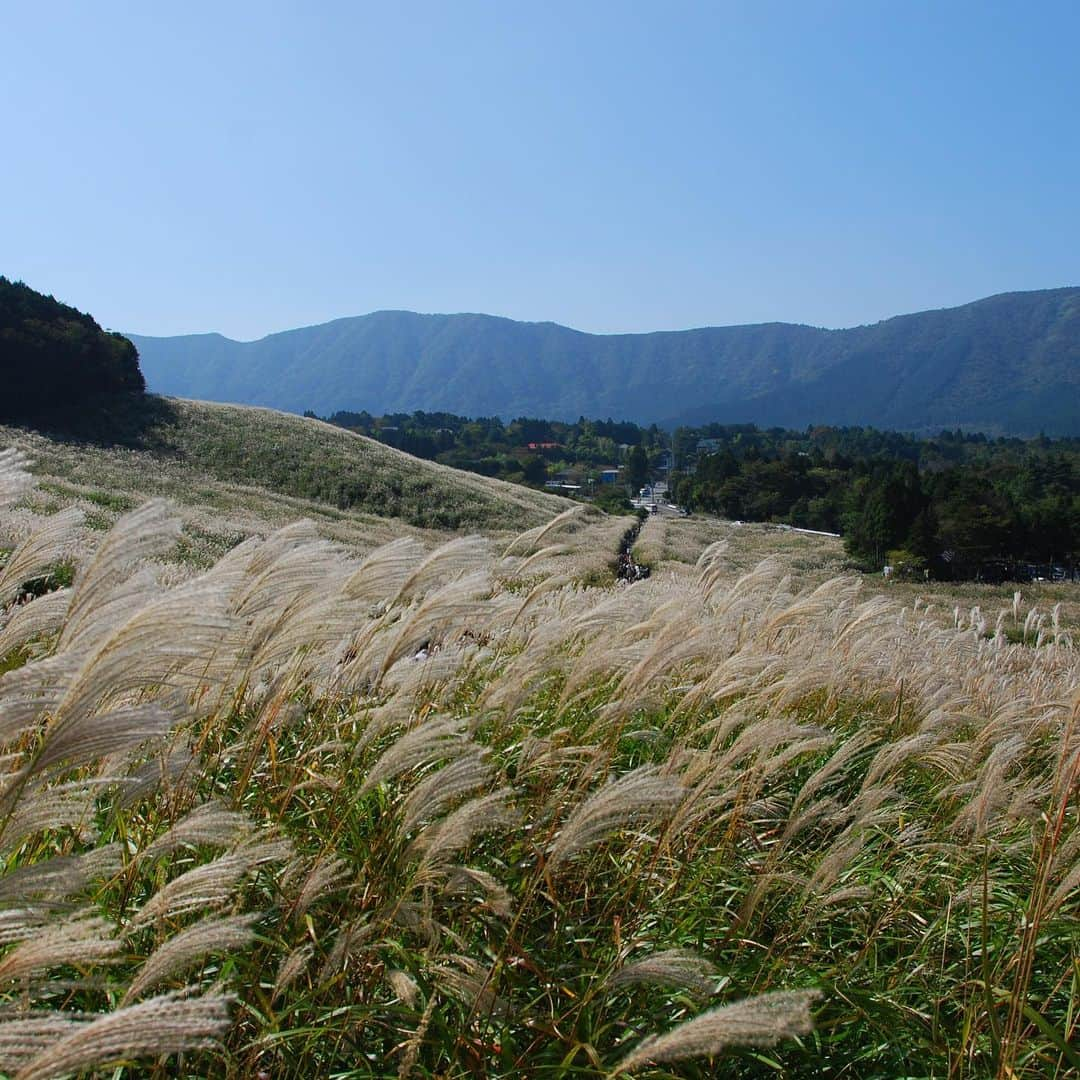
x=450, y=811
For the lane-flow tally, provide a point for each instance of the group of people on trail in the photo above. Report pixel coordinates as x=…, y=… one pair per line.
x=628, y=570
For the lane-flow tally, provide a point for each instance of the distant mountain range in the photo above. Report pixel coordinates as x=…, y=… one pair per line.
x=1009, y=364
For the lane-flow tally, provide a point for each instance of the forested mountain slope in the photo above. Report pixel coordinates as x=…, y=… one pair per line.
x=1006, y=364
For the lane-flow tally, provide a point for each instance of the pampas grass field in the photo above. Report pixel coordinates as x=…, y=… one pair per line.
x=414, y=805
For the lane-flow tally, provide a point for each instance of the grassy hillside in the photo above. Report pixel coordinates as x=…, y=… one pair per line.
x=1006, y=364
x=452, y=813
x=232, y=458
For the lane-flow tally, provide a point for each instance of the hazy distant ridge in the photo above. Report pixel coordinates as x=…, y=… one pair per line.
x=1006, y=364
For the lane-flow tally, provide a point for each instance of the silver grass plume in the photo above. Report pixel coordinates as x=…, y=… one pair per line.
x=211, y=884
x=57, y=878
x=454, y=559
x=39, y=618
x=77, y=942
x=78, y=741
x=383, y=573
x=17, y=924
x=404, y=987
x=52, y=541
x=638, y=796
x=211, y=825
x=679, y=968
x=194, y=943
x=549, y=552
x=540, y=589
x=438, y=671
x=31, y=1033
x=171, y=642
x=291, y=968
x=462, y=599
x=57, y=807
x=348, y=943
x=469, y=981
x=443, y=787
x=15, y=480
x=166, y=771
x=411, y=1049
x=992, y=788
x=121, y=601
x=169, y=1024
x=325, y=877
x=145, y=533
x=531, y=539
x=32, y=690
x=468, y=880
x=438, y=843
x=435, y=740
x=760, y=1021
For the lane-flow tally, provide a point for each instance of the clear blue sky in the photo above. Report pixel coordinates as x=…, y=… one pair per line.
x=611, y=166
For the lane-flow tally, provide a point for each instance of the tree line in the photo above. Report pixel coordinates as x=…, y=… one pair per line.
x=954, y=506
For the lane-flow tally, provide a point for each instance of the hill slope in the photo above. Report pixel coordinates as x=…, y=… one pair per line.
x=1006, y=364
x=239, y=460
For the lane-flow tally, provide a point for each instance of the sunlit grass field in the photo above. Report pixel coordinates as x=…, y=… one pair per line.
x=355, y=797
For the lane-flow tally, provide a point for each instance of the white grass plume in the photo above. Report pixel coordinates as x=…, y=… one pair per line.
x=194, y=943
x=145, y=533
x=41, y=617
x=437, y=739
x=165, y=1025
x=212, y=824
x=760, y=1021
x=51, y=542
x=80, y=941
x=678, y=968
x=637, y=796
x=15, y=479
x=211, y=884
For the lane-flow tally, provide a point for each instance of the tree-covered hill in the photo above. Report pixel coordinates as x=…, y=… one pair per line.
x=1009, y=364
x=53, y=357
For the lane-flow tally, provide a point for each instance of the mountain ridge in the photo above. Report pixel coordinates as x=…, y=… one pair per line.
x=1006, y=364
